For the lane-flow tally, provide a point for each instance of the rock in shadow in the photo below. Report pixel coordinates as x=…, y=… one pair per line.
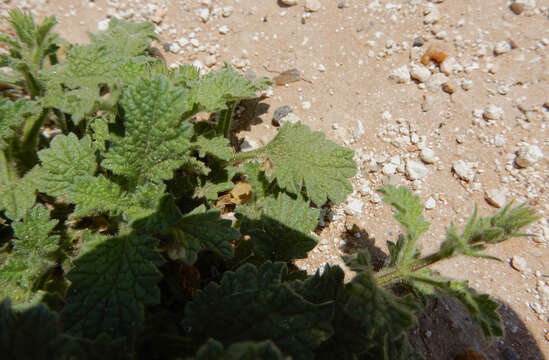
x=445, y=332
x=247, y=113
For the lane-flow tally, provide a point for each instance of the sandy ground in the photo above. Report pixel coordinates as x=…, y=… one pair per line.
x=490, y=109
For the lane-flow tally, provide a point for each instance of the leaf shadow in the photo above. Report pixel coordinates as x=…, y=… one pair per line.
x=248, y=113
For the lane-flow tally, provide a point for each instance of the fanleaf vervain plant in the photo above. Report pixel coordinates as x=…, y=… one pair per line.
x=116, y=203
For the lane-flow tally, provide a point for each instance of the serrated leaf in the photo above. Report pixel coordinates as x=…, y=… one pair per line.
x=409, y=215
x=31, y=334
x=19, y=196
x=65, y=160
x=286, y=224
x=409, y=210
x=264, y=350
x=267, y=308
x=376, y=308
x=186, y=76
x=100, y=128
x=217, y=146
x=12, y=116
x=203, y=230
x=261, y=187
x=124, y=37
x=32, y=233
x=111, y=283
x=300, y=156
x=155, y=139
x=29, y=258
x=216, y=89
x=95, y=194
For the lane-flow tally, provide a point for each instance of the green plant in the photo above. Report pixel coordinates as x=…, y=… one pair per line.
x=115, y=242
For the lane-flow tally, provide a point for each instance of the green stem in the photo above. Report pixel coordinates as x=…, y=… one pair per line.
x=7, y=172
x=394, y=274
x=254, y=154
x=225, y=118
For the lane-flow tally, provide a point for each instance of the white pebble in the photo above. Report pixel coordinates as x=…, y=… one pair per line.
x=354, y=207
x=204, y=14
x=223, y=29
x=430, y=203
x=502, y=47
x=464, y=170
x=401, y=75
x=289, y=2
x=448, y=66
x=420, y=73
x=416, y=170
x=312, y=5
x=519, y=263
x=306, y=105
x=493, y=112
x=528, y=155
x=428, y=156
x=103, y=25
x=496, y=197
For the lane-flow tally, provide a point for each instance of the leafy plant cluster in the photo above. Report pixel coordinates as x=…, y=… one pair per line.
x=115, y=241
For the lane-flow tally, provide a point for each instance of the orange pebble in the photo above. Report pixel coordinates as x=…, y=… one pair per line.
x=434, y=53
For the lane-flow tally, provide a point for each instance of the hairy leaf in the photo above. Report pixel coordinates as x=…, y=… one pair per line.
x=216, y=89
x=12, y=116
x=111, y=283
x=30, y=334
x=285, y=227
x=125, y=38
x=298, y=155
x=264, y=350
x=267, y=308
x=155, y=139
x=217, y=146
x=203, y=230
x=33, y=239
x=19, y=196
x=65, y=161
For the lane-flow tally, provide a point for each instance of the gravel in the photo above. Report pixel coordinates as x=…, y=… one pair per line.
x=528, y=155
x=464, y=170
x=416, y=170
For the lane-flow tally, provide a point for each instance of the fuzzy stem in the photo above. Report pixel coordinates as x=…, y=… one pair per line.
x=394, y=274
x=225, y=119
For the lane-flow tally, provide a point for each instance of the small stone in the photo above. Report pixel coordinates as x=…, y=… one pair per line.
x=448, y=66
x=401, y=75
x=436, y=81
x=427, y=155
x=436, y=53
x=431, y=203
x=389, y=169
x=354, y=207
x=195, y=42
x=467, y=84
x=432, y=16
x=493, y=112
x=204, y=14
x=517, y=7
x=280, y=112
x=502, y=47
x=223, y=30
x=321, y=68
x=496, y=197
x=174, y=47
x=420, y=73
x=519, y=263
x=291, y=118
x=416, y=170
x=499, y=140
x=289, y=2
x=210, y=61
x=103, y=25
x=419, y=41
x=312, y=5
x=450, y=87
x=528, y=155
x=182, y=41
x=428, y=101
x=464, y=170
x=248, y=145
x=306, y=105
x=227, y=11
x=341, y=5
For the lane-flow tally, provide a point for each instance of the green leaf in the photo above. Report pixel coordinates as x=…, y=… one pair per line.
x=19, y=196
x=125, y=38
x=33, y=239
x=30, y=334
x=285, y=232
x=65, y=161
x=480, y=231
x=186, y=76
x=12, y=116
x=299, y=155
x=217, y=146
x=267, y=308
x=264, y=350
x=94, y=195
x=29, y=258
x=111, y=283
x=379, y=310
x=100, y=128
x=155, y=139
x=216, y=89
x=409, y=215
x=261, y=187
x=203, y=230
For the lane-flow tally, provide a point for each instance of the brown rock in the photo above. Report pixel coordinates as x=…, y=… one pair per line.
x=435, y=53
x=517, y=7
